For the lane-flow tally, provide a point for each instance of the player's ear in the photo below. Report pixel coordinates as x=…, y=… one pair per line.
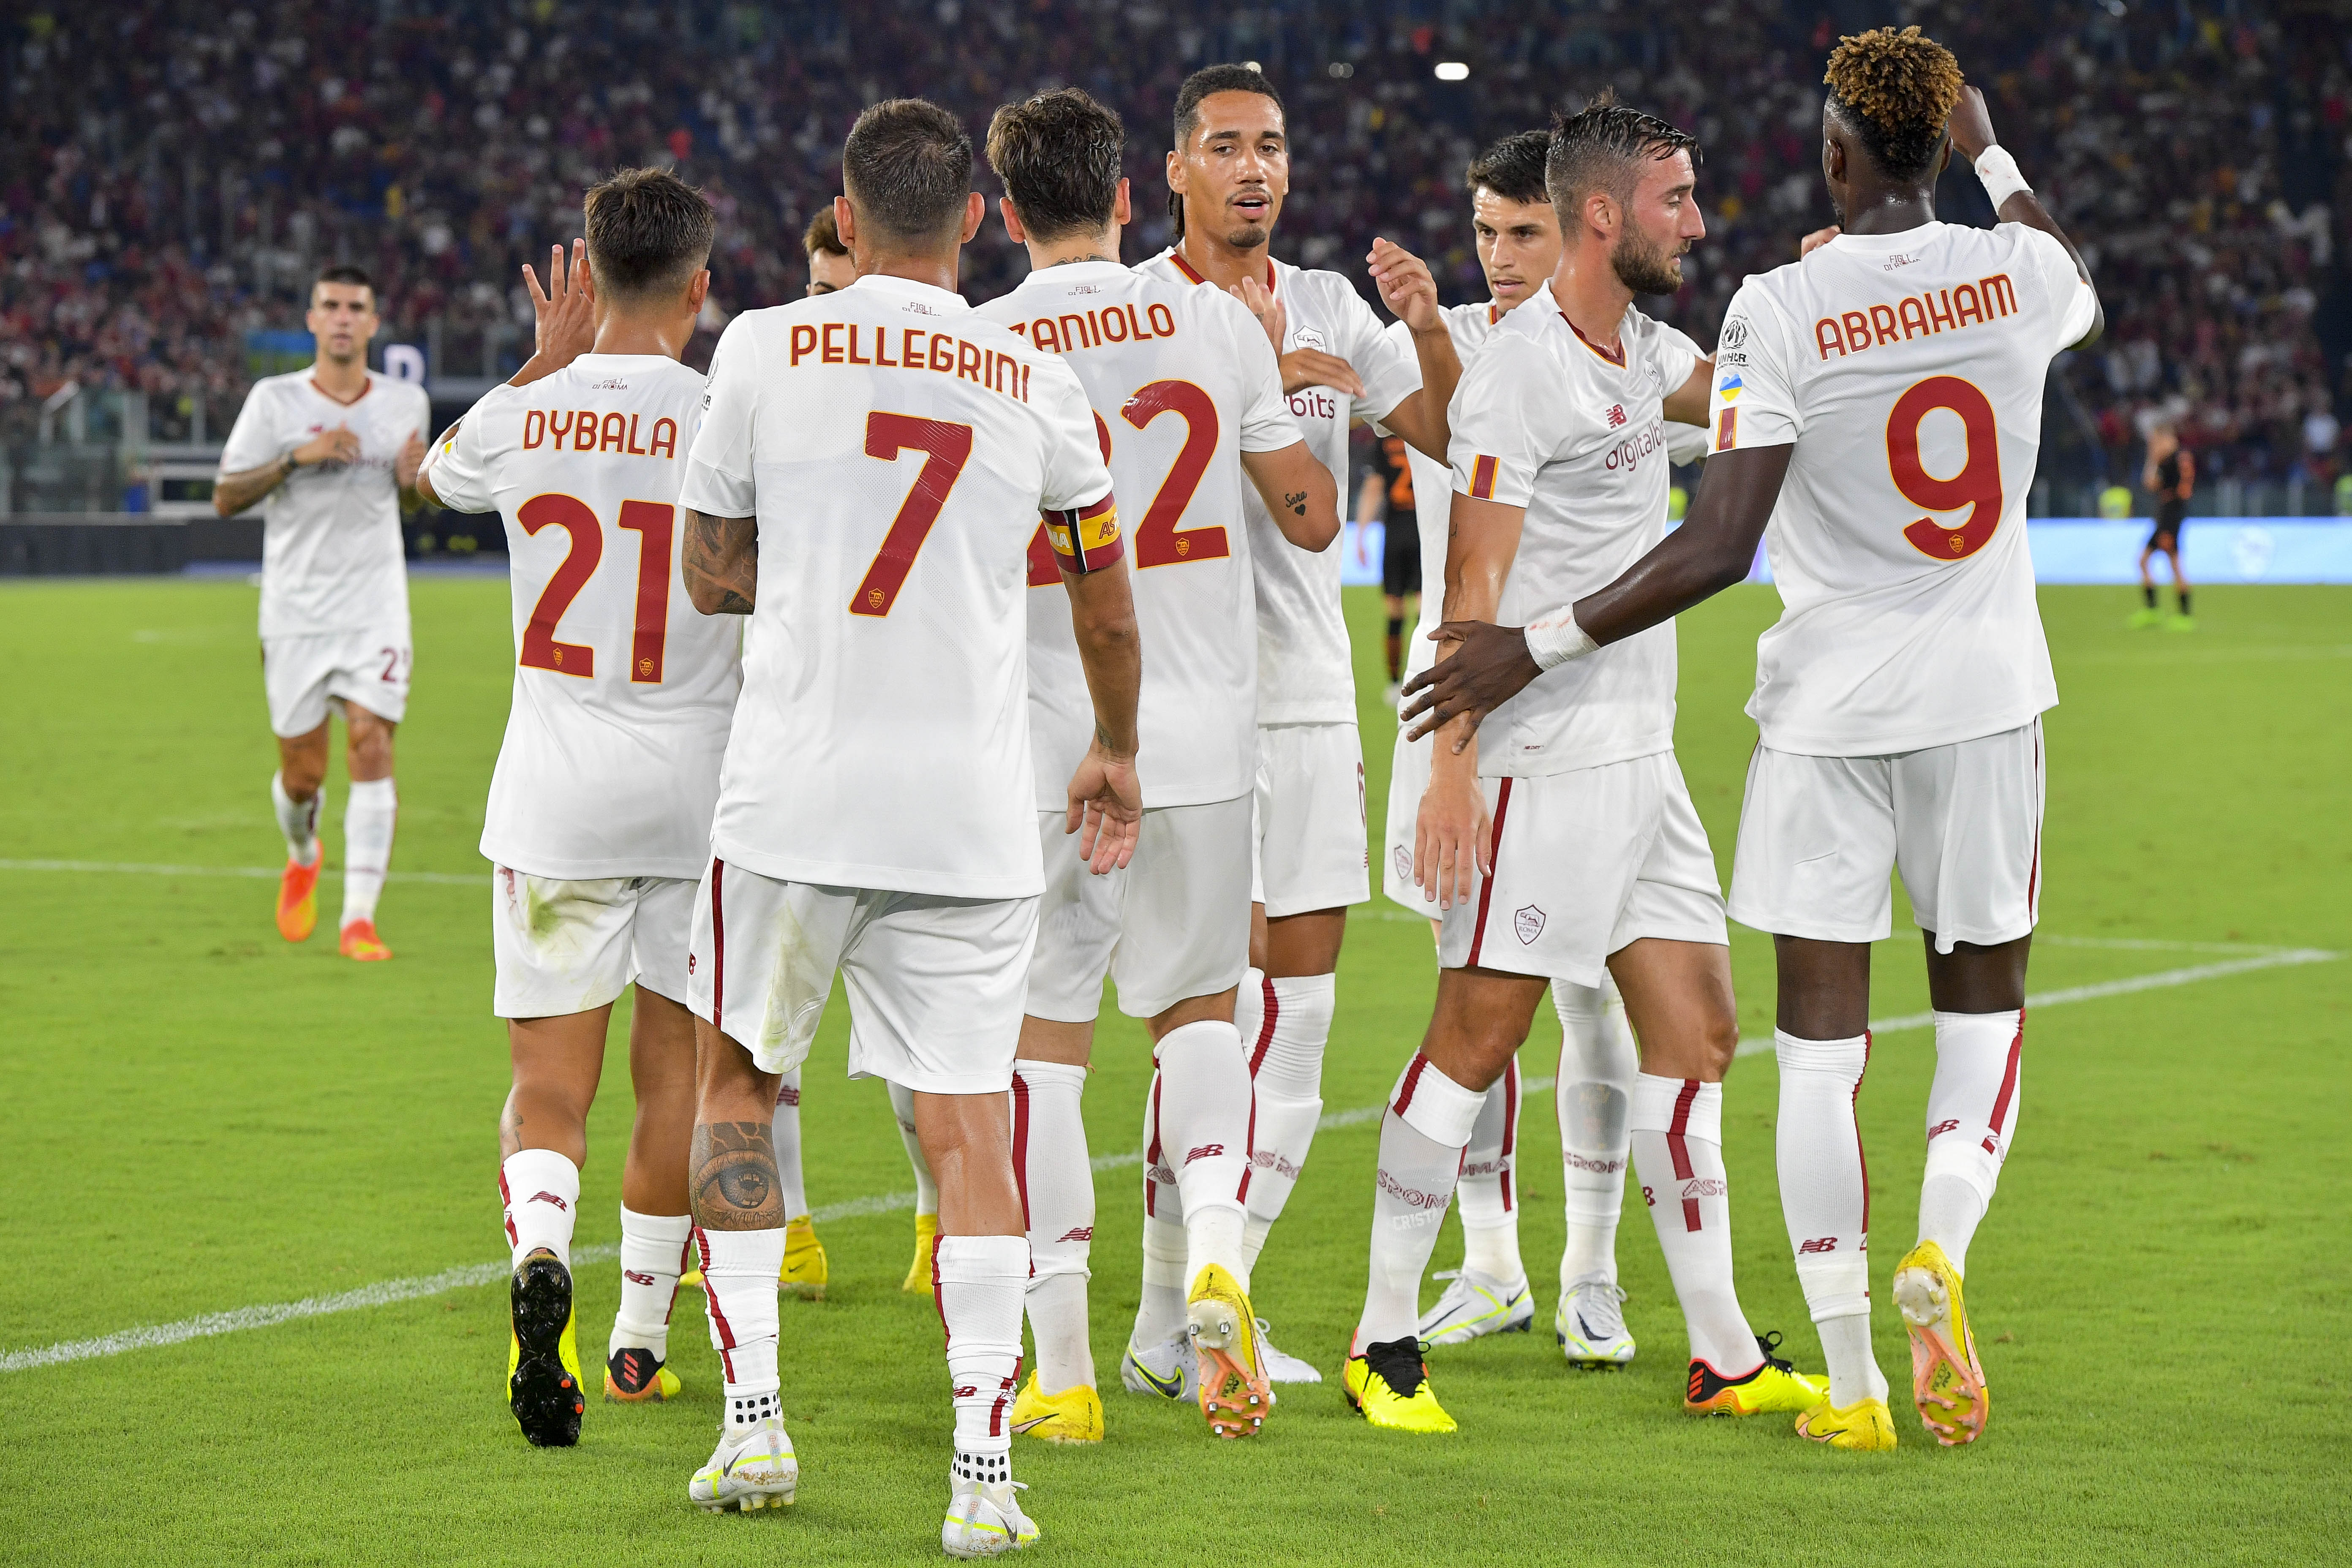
x=1175, y=172
x=1011, y=216
x=1122, y=210
x=697, y=291
x=845, y=222
x=976, y=210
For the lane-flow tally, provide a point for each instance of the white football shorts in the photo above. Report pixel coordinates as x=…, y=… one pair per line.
x=1408, y=779
x=935, y=984
x=1963, y=823
x=1586, y=863
x=1174, y=924
x=1310, y=843
x=300, y=674
x=569, y=947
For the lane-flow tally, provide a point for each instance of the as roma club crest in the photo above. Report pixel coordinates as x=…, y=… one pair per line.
x=1528, y=921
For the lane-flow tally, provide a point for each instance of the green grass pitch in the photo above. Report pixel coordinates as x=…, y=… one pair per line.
x=199, y=1117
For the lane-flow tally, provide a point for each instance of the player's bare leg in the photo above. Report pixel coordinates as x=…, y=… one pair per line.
x=297, y=791
x=739, y=1232
x=1059, y=1402
x=654, y=1224
x=542, y=1144
x=369, y=818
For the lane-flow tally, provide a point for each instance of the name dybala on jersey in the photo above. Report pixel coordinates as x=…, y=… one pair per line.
x=895, y=450
x=1305, y=673
x=1182, y=380
x=622, y=693
x=330, y=552
x=1907, y=369
x=1545, y=419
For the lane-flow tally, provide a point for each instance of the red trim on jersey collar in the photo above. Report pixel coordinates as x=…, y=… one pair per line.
x=1185, y=267
x=365, y=387
x=1494, y=314
x=1614, y=356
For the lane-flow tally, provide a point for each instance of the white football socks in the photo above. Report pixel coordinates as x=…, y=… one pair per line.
x=979, y=1286
x=1160, y=1312
x=1677, y=1144
x=1594, y=1096
x=1285, y=1063
x=1490, y=1209
x=1825, y=1198
x=1058, y=1193
x=369, y=815
x=740, y=1272
x=540, y=1191
x=653, y=1255
x=927, y=1190
x=298, y=820
x=1422, y=1134
x=1972, y=1109
x=786, y=1131
x=1205, y=1104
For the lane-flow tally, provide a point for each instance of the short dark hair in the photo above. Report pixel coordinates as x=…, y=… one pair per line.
x=1601, y=147
x=823, y=237
x=907, y=169
x=1513, y=168
x=344, y=272
x=1895, y=91
x=649, y=233
x=1059, y=156
x=1199, y=85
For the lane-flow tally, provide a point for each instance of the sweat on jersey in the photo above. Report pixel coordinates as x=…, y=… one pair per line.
x=331, y=555
x=896, y=450
x=1183, y=381
x=622, y=693
x=1908, y=369
x=1546, y=419
x=1305, y=673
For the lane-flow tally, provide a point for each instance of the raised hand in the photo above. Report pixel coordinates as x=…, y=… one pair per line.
x=564, y=325
x=1971, y=125
x=1406, y=288
x=1816, y=240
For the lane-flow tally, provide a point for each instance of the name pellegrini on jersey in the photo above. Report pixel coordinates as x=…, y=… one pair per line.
x=1916, y=316
x=944, y=353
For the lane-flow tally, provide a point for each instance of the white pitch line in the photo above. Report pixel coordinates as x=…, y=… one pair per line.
x=409, y=1289
x=270, y=873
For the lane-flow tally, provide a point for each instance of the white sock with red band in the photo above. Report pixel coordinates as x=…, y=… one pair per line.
x=298, y=820
x=370, y=813
x=541, y=1189
x=739, y=1271
x=902, y=1107
x=1489, y=1208
x=1594, y=1099
x=1205, y=1112
x=1160, y=1312
x=1285, y=1063
x=1972, y=1109
x=1058, y=1193
x=1677, y=1141
x=785, y=1129
x=1825, y=1198
x=1422, y=1134
x=653, y=1255
x=979, y=1280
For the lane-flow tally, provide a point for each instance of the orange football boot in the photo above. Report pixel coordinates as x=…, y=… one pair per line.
x=297, y=899
x=360, y=941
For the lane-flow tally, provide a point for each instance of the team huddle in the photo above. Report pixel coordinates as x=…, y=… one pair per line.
x=975, y=655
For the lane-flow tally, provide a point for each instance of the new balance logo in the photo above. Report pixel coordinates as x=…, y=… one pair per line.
x=1206, y=1151
x=1819, y=1243
x=1079, y=1233
x=1649, y=1197
x=1616, y=414
x=1941, y=1128
x=787, y=1095
x=551, y=1198
x=633, y=1278
x=966, y=1390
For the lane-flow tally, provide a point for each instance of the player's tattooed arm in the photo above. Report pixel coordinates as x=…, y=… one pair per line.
x=732, y=1183
x=1298, y=493
x=720, y=564
x=232, y=493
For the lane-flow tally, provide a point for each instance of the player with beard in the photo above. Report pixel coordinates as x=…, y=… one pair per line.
x=1227, y=176
x=1878, y=410
x=1569, y=847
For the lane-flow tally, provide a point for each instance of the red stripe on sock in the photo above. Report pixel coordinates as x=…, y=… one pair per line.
x=1411, y=1081
x=1020, y=1143
x=1860, y=1158
x=1494, y=866
x=506, y=1208
x=1272, y=1010
x=1679, y=1147
x=2033, y=872
x=710, y=1295
x=938, y=1292
x=1510, y=1124
x=2009, y=1076
x=1151, y=1154
x=717, y=947
x=1241, y=1193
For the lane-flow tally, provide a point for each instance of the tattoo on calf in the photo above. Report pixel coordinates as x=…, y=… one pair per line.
x=734, y=1184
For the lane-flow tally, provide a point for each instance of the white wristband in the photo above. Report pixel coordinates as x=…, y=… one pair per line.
x=1998, y=171
x=1556, y=641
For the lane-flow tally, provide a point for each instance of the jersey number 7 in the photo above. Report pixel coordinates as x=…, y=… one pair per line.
x=945, y=449
x=652, y=522
x=1976, y=486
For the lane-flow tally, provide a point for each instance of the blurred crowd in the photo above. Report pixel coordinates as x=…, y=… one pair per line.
x=172, y=172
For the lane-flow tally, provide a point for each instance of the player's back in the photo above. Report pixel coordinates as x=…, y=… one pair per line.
x=895, y=450
x=1182, y=381
x=622, y=693
x=1908, y=370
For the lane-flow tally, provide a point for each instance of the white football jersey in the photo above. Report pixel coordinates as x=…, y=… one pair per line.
x=1182, y=381
x=1305, y=673
x=1432, y=483
x=896, y=450
x=331, y=556
x=1546, y=420
x=622, y=692
x=1908, y=369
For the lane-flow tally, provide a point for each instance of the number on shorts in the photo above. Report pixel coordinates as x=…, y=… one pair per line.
x=1977, y=484
x=1157, y=541
x=653, y=522
x=947, y=448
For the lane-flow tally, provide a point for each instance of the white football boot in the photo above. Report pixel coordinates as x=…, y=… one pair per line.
x=1590, y=1325
x=1280, y=1365
x=984, y=1519
x=752, y=1468
x=1477, y=1304
x=1170, y=1369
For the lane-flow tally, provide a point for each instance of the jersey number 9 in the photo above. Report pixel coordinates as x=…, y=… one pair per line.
x=1976, y=486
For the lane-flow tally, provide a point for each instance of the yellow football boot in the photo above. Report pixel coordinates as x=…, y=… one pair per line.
x=360, y=941
x=1865, y=1425
x=297, y=898
x=803, y=1274
x=1773, y=1385
x=636, y=1377
x=1072, y=1415
x=1236, y=1397
x=543, y=1362
x=919, y=1272
x=1947, y=1382
x=1388, y=1384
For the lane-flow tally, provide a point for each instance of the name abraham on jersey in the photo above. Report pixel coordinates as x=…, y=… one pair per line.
x=943, y=354
x=1917, y=316
x=1092, y=329
x=586, y=431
